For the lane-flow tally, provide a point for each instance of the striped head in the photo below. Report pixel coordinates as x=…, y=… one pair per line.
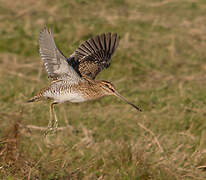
x=109, y=89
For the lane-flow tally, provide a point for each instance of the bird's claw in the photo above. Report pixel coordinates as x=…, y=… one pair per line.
x=52, y=128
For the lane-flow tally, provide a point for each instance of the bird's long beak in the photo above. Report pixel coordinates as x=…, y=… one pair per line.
x=125, y=100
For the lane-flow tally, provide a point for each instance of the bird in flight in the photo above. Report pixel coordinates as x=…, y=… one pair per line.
x=73, y=78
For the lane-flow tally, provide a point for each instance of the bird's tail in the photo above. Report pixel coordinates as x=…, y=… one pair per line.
x=36, y=98
x=39, y=96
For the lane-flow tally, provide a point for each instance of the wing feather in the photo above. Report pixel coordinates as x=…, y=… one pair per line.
x=113, y=41
x=94, y=54
x=54, y=61
x=102, y=40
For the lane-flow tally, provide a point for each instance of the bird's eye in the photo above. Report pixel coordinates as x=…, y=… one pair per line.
x=107, y=85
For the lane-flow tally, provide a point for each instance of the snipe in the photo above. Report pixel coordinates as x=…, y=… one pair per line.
x=73, y=78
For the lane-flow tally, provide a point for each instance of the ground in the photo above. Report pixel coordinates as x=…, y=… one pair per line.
x=159, y=65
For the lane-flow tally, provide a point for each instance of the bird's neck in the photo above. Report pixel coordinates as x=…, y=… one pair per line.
x=93, y=89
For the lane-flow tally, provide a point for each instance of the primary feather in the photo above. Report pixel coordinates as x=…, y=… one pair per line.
x=94, y=54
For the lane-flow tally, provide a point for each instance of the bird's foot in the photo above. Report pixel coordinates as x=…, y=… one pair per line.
x=52, y=128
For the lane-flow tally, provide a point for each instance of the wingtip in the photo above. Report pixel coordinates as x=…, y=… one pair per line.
x=45, y=29
x=112, y=34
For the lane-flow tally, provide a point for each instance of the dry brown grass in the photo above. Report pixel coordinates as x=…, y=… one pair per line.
x=159, y=64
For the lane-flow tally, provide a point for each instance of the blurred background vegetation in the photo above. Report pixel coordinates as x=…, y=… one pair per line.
x=159, y=65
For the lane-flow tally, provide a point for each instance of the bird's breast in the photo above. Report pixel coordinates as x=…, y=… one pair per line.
x=72, y=97
x=64, y=96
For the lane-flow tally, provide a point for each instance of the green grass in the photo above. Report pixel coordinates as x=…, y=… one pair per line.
x=159, y=65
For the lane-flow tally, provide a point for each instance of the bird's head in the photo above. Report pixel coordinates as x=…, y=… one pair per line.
x=109, y=89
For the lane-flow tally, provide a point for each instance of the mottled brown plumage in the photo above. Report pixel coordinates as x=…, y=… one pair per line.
x=73, y=77
x=94, y=54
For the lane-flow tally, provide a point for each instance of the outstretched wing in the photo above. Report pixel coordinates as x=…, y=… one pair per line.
x=54, y=61
x=94, y=55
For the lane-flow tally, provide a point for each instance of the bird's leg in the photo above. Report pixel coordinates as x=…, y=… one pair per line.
x=55, y=117
x=53, y=122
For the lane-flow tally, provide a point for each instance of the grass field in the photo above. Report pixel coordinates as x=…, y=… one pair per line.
x=160, y=64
